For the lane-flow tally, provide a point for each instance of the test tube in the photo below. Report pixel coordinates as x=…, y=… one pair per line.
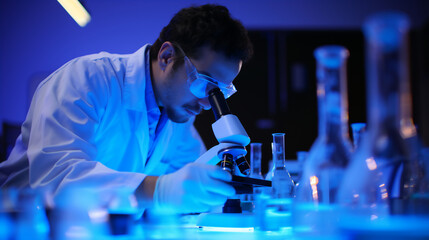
x=255, y=160
x=282, y=183
x=301, y=156
x=279, y=150
x=357, y=130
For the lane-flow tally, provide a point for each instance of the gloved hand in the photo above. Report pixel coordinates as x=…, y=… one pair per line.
x=196, y=187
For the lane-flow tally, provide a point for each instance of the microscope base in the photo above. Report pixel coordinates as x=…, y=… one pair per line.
x=227, y=221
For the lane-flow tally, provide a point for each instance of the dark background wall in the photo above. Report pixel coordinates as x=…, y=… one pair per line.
x=276, y=88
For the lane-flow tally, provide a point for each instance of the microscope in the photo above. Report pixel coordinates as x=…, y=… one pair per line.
x=230, y=153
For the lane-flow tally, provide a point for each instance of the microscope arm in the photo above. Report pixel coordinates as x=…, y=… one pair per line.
x=229, y=132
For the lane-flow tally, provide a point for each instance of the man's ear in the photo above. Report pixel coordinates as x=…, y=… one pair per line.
x=165, y=55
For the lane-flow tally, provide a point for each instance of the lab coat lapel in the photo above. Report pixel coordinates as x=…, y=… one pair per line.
x=133, y=96
x=135, y=80
x=156, y=165
x=142, y=135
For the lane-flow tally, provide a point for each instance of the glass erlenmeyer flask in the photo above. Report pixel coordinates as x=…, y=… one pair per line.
x=384, y=171
x=315, y=204
x=384, y=185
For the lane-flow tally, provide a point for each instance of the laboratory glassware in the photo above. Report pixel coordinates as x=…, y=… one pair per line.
x=8, y=213
x=271, y=166
x=255, y=160
x=122, y=211
x=315, y=207
x=282, y=183
x=301, y=156
x=385, y=175
x=273, y=206
x=255, y=172
x=31, y=216
x=358, y=129
x=80, y=213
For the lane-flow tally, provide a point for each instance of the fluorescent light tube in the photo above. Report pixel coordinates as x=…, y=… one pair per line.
x=76, y=11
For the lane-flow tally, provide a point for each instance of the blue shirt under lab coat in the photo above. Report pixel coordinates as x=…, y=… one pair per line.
x=95, y=121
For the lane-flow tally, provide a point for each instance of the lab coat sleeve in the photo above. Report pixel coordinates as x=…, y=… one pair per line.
x=61, y=125
x=188, y=145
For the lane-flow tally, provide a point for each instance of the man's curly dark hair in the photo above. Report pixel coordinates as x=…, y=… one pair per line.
x=212, y=25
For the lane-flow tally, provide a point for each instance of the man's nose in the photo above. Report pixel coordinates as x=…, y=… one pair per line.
x=204, y=102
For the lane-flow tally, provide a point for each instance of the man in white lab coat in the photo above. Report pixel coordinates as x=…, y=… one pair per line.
x=110, y=121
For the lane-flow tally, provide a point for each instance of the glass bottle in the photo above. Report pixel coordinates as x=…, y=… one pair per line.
x=315, y=208
x=282, y=183
x=386, y=163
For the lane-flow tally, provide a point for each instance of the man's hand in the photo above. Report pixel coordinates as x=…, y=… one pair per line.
x=196, y=187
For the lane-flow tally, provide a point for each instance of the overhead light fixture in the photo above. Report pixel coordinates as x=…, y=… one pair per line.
x=76, y=11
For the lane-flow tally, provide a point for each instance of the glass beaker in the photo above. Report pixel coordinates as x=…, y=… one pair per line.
x=315, y=208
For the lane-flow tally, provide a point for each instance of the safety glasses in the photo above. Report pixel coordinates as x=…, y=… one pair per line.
x=200, y=84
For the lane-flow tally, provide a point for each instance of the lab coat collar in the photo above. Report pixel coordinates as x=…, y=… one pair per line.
x=136, y=75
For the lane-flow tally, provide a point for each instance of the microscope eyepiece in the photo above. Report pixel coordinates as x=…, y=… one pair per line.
x=218, y=103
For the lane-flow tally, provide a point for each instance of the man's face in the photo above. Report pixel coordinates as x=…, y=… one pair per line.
x=175, y=96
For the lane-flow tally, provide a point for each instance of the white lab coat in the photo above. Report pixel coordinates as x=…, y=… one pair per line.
x=90, y=123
